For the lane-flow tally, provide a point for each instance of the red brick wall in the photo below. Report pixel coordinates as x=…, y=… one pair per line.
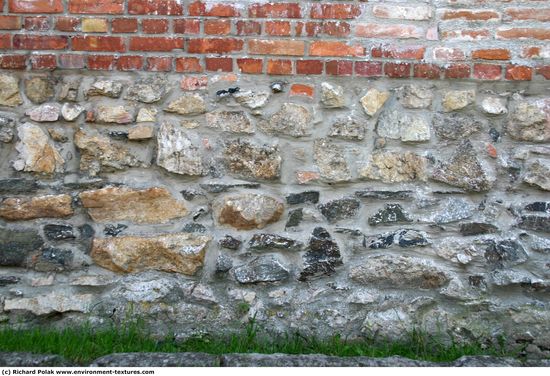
x=453, y=39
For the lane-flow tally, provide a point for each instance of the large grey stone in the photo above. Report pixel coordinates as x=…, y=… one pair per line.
x=455, y=126
x=147, y=90
x=176, y=152
x=187, y=104
x=46, y=112
x=247, y=160
x=16, y=245
x=373, y=100
x=331, y=161
x=7, y=123
x=147, y=360
x=414, y=96
x=9, y=91
x=395, y=167
x=538, y=174
x=251, y=99
x=53, y=302
x=105, y=88
x=348, y=128
x=408, y=127
x=291, y=120
x=343, y=208
x=37, y=152
x=528, y=122
x=322, y=255
x=332, y=96
x=261, y=269
x=39, y=89
x=22, y=359
x=230, y=121
x=247, y=211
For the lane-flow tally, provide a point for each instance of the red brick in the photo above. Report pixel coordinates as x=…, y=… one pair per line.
x=214, y=45
x=301, y=90
x=311, y=29
x=397, y=70
x=491, y=54
x=389, y=31
x=326, y=48
x=518, y=73
x=279, y=67
x=215, y=64
x=309, y=67
x=67, y=23
x=468, y=35
x=39, y=23
x=531, y=52
x=155, y=43
x=339, y=68
x=124, y=25
x=249, y=28
x=398, y=52
x=192, y=83
x=155, y=7
x=13, y=61
x=96, y=6
x=338, y=11
x=527, y=14
x=5, y=41
x=159, y=64
x=251, y=66
x=428, y=71
x=101, y=62
x=457, y=71
x=275, y=10
x=524, y=33
x=448, y=54
x=276, y=47
x=368, y=68
x=35, y=6
x=188, y=65
x=336, y=28
x=98, y=43
x=277, y=28
x=187, y=26
x=487, y=71
x=10, y=22
x=71, y=61
x=544, y=71
x=40, y=62
x=217, y=27
x=154, y=26
x=198, y=8
x=470, y=15
x=39, y=42
x=129, y=63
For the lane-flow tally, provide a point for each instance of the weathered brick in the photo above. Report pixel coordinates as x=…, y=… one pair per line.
x=415, y=13
x=209, y=9
x=523, y=33
x=339, y=67
x=35, y=6
x=527, y=14
x=251, y=66
x=277, y=28
x=96, y=6
x=302, y=90
x=279, y=67
x=71, y=61
x=39, y=42
x=368, y=68
x=188, y=65
x=328, y=48
x=487, y=71
x=222, y=64
x=469, y=15
x=518, y=73
x=544, y=70
x=468, y=35
x=98, y=43
x=187, y=26
x=124, y=25
x=276, y=47
x=129, y=63
x=155, y=7
x=5, y=41
x=397, y=70
x=389, y=31
x=428, y=71
x=101, y=62
x=491, y=54
x=309, y=67
x=155, y=43
x=191, y=83
x=38, y=23
x=13, y=61
x=10, y=22
x=337, y=11
x=248, y=28
x=214, y=45
x=398, y=52
x=67, y=23
x=159, y=64
x=533, y=52
x=154, y=26
x=217, y=27
x=448, y=54
x=94, y=25
x=336, y=28
x=457, y=71
x=42, y=62
x=275, y=10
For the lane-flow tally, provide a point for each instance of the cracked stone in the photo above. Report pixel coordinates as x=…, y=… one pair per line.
x=69, y=88
x=391, y=214
x=54, y=302
x=39, y=89
x=332, y=96
x=339, y=209
x=248, y=211
x=322, y=256
x=261, y=269
x=249, y=161
x=373, y=101
x=147, y=90
x=407, y=127
x=413, y=96
x=25, y=208
x=504, y=253
x=528, y=122
x=230, y=121
x=176, y=152
x=455, y=126
x=272, y=241
x=395, y=167
x=9, y=91
x=538, y=174
x=250, y=99
x=348, y=128
x=454, y=209
x=457, y=99
x=187, y=104
x=105, y=88
x=331, y=161
x=146, y=115
x=291, y=120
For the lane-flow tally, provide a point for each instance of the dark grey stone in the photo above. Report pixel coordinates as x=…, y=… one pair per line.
x=190, y=194
x=322, y=255
x=535, y=223
x=114, y=230
x=303, y=197
x=8, y=280
x=230, y=242
x=272, y=241
x=89, y=183
x=53, y=259
x=343, y=208
x=157, y=360
x=219, y=188
x=485, y=361
x=455, y=126
x=16, y=245
x=385, y=195
x=477, y=228
x=86, y=231
x=21, y=359
x=295, y=217
x=119, y=135
x=17, y=186
x=348, y=231
x=193, y=227
x=454, y=209
x=224, y=263
x=543, y=207
x=380, y=241
x=58, y=232
x=391, y=214
x=411, y=238
x=261, y=269
x=504, y=253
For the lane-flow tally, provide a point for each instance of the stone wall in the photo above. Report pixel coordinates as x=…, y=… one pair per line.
x=325, y=204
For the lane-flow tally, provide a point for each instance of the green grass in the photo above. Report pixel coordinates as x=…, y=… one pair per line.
x=83, y=344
